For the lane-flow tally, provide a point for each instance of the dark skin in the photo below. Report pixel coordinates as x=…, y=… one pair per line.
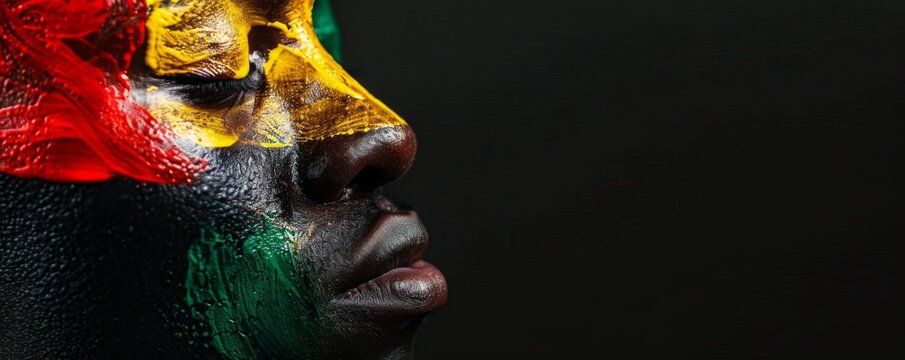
x=98, y=270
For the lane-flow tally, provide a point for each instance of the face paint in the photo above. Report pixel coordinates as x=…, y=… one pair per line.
x=304, y=94
x=123, y=269
x=66, y=113
x=65, y=109
x=255, y=298
x=207, y=38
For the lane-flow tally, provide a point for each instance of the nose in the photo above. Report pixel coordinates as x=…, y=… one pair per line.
x=347, y=165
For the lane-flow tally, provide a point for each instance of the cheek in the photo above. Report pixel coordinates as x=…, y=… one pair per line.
x=207, y=128
x=257, y=297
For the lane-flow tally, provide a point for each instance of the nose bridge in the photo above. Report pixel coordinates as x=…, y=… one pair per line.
x=318, y=100
x=351, y=143
x=306, y=86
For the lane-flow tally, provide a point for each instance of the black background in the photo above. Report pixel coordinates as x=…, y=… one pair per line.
x=651, y=179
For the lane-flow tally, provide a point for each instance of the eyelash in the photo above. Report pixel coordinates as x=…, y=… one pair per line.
x=220, y=92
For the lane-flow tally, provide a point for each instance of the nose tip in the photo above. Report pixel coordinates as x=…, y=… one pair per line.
x=359, y=163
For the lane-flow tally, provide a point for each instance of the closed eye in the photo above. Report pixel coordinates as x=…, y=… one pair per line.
x=218, y=92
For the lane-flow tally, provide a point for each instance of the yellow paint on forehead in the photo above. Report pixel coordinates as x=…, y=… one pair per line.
x=207, y=38
x=307, y=96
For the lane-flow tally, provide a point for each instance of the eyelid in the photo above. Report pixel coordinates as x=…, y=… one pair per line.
x=218, y=91
x=252, y=82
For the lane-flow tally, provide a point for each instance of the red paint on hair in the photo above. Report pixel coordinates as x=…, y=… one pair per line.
x=65, y=110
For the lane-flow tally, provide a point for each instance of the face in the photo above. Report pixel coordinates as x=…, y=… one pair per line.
x=199, y=179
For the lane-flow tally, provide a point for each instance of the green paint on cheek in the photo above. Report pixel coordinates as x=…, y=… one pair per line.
x=257, y=297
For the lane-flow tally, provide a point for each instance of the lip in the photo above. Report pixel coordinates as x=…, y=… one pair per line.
x=387, y=273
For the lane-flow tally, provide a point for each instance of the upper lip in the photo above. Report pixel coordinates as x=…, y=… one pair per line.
x=393, y=241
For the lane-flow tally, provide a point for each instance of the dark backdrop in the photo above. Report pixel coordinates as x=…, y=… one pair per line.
x=651, y=179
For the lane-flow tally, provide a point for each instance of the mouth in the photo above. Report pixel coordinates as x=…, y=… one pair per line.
x=387, y=273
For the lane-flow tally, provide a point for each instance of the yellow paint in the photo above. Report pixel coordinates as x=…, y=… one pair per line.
x=301, y=241
x=307, y=96
x=207, y=38
x=204, y=127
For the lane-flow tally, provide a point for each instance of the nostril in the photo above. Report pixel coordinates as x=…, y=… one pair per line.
x=334, y=168
x=369, y=179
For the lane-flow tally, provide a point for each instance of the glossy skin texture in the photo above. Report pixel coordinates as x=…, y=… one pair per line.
x=64, y=104
x=302, y=93
x=278, y=248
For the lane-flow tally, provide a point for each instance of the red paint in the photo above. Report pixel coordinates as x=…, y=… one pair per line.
x=65, y=110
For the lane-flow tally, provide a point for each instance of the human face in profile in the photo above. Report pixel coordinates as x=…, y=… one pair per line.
x=199, y=179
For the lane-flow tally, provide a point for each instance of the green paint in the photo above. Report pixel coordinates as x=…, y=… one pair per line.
x=257, y=297
x=326, y=28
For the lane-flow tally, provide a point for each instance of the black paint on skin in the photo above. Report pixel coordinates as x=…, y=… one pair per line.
x=96, y=271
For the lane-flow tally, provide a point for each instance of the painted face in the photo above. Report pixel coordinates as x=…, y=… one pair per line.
x=199, y=179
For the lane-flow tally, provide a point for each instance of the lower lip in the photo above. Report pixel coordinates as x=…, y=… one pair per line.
x=416, y=289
